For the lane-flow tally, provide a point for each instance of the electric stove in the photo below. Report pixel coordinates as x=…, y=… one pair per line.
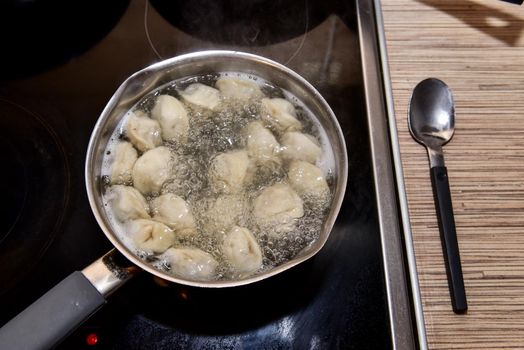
x=60, y=65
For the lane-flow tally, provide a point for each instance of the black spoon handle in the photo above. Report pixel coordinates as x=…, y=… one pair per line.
x=448, y=236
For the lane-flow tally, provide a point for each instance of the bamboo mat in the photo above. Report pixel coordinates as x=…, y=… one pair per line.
x=477, y=47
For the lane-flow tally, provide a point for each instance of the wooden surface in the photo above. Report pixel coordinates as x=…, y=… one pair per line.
x=477, y=47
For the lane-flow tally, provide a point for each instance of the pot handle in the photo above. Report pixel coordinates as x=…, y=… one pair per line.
x=47, y=321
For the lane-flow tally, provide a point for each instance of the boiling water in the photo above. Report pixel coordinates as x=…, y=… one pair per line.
x=212, y=132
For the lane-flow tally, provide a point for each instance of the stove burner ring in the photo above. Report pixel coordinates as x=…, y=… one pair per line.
x=246, y=23
x=14, y=196
x=35, y=184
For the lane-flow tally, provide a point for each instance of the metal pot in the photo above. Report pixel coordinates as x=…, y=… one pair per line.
x=52, y=317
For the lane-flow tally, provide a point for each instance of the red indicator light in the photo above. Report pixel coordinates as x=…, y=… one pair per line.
x=92, y=339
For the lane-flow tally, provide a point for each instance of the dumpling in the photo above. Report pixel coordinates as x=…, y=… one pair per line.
x=201, y=95
x=191, y=263
x=261, y=145
x=150, y=236
x=309, y=182
x=280, y=115
x=152, y=169
x=143, y=132
x=172, y=117
x=125, y=156
x=240, y=89
x=227, y=171
x=278, y=206
x=296, y=145
x=173, y=211
x=224, y=212
x=241, y=250
x=127, y=203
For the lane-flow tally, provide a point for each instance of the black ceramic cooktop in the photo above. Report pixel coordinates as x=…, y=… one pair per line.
x=61, y=63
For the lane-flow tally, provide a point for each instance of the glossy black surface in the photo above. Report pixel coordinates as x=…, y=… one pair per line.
x=40, y=34
x=34, y=186
x=335, y=300
x=249, y=23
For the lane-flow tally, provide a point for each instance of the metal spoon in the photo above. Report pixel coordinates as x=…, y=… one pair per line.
x=432, y=123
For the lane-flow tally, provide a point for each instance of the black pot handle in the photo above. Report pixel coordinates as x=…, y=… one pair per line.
x=446, y=221
x=50, y=319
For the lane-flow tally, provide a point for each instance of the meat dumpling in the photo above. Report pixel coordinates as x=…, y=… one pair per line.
x=280, y=114
x=127, y=203
x=125, y=156
x=309, y=182
x=227, y=172
x=278, y=206
x=240, y=89
x=296, y=145
x=191, y=263
x=172, y=117
x=143, y=132
x=173, y=211
x=150, y=236
x=152, y=169
x=241, y=250
x=201, y=95
x=261, y=145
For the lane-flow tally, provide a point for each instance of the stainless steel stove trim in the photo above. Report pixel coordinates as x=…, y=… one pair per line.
x=389, y=186
x=395, y=147
x=396, y=283
x=387, y=161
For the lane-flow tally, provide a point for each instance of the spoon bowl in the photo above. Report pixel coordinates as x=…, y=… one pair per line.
x=432, y=113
